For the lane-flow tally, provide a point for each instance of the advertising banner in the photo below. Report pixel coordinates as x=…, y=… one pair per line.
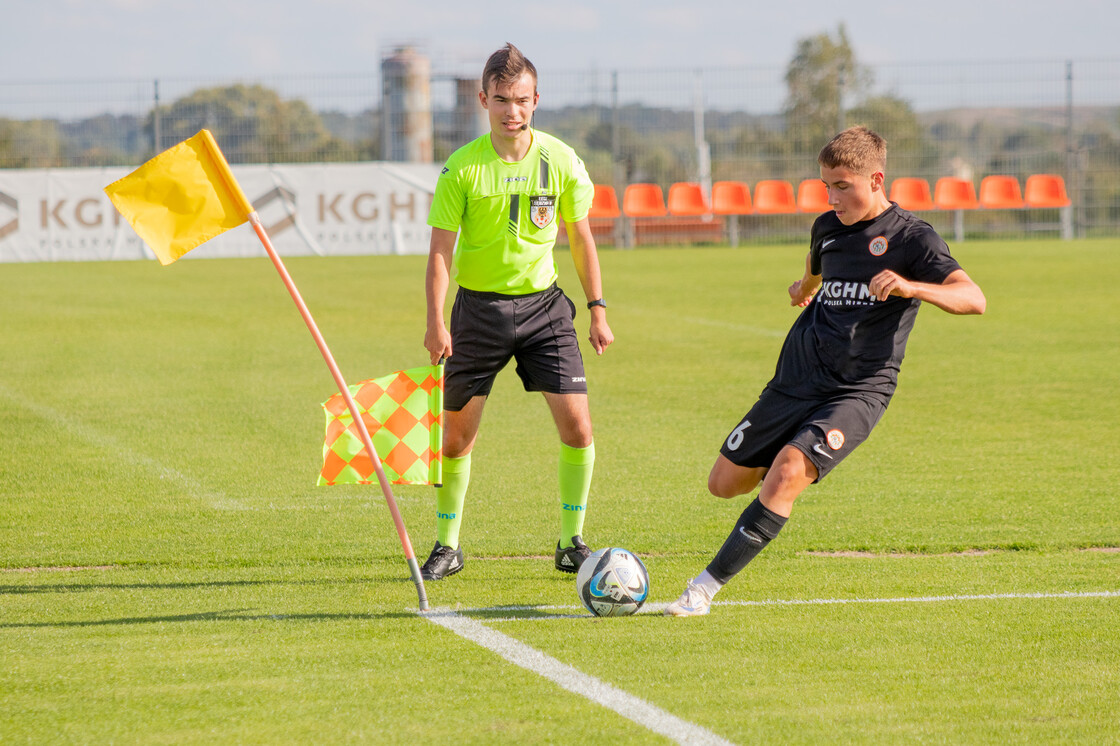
x=329, y=209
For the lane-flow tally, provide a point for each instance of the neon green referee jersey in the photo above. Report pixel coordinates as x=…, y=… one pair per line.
x=507, y=214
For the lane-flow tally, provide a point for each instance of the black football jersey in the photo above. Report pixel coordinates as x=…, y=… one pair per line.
x=846, y=339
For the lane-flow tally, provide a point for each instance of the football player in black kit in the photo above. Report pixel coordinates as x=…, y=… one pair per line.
x=870, y=265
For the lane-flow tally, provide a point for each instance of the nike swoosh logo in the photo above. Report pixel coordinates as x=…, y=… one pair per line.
x=820, y=449
x=826, y=243
x=751, y=537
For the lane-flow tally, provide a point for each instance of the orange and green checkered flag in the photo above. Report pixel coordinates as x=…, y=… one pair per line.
x=403, y=413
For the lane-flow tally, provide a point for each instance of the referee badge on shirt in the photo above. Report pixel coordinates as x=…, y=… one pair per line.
x=542, y=208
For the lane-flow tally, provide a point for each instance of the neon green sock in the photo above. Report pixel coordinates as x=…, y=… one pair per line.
x=449, y=499
x=576, y=466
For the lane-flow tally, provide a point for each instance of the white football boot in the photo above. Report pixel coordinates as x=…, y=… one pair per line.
x=695, y=601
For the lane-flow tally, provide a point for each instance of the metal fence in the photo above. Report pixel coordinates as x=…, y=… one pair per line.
x=662, y=126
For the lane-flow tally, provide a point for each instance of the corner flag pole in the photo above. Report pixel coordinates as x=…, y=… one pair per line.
x=187, y=195
x=343, y=389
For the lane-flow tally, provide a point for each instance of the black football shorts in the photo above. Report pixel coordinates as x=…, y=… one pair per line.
x=825, y=430
x=537, y=330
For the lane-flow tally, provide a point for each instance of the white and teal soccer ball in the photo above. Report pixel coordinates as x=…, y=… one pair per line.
x=612, y=582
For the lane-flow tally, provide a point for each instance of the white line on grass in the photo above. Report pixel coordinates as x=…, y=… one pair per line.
x=627, y=705
x=657, y=608
x=98, y=439
x=925, y=599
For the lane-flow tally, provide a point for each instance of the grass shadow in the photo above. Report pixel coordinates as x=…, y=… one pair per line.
x=225, y=615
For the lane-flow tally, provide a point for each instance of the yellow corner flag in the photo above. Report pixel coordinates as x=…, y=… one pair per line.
x=187, y=195
x=181, y=198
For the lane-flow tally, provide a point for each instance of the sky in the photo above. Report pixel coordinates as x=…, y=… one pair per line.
x=63, y=40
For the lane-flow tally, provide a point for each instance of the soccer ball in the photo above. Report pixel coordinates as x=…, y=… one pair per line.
x=612, y=582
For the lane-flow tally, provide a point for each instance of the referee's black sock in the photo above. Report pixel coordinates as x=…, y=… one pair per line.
x=756, y=527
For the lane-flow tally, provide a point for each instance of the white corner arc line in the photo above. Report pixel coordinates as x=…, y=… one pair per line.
x=627, y=705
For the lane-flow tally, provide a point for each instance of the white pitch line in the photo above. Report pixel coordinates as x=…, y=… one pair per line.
x=923, y=599
x=627, y=705
x=98, y=439
x=657, y=608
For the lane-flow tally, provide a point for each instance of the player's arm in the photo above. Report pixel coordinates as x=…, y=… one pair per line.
x=437, y=340
x=957, y=294
x=586, y=259
x=802, y=291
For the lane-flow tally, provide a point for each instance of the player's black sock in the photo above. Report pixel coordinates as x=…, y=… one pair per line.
x=754, y=530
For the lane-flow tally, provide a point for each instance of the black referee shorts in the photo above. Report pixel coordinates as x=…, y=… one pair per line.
x=825, y=430
x=487, y=329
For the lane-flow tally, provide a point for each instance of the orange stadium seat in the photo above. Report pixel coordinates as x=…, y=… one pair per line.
x=605, y=202
x=774, y=197
x=1046, y=190
x=643, y=201
x=911, y=193
x=1000, y=193
x=812, y=196
x=952, y=193
x=731, y=198
x=687, y=198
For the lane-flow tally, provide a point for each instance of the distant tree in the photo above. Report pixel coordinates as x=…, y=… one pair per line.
x=763, y=152
x=252, y=124
x=105, y=140
x=664, y=159
x=1018, y=152
x=908, y=152
x=822, y=74
x=35, y=143
x=601, y=136
x=361, y=132
x=1093, y=184
x=598, y=155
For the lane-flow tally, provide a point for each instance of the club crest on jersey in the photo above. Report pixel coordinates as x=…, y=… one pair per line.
x=878, y=246
x=835, y=439
x=542, y=208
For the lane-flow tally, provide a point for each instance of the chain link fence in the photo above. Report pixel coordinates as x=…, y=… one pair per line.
x=968, y=120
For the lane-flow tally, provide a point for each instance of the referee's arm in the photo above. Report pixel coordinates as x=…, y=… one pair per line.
x=586, y=258
x=437, y=340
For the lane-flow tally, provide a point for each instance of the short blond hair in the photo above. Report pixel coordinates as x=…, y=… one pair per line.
x=856, y=148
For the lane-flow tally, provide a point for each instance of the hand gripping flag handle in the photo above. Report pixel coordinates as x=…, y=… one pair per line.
x=343, y=389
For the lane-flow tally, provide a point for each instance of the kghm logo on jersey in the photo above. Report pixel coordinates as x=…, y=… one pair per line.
x=838, y=293
x=542, y=208
x=835, y=439
x=878, y=246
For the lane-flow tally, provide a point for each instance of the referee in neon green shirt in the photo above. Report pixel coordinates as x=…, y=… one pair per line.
x=503, y=196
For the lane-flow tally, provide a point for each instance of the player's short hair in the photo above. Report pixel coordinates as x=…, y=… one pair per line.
x=856, y=148
x=506, y=66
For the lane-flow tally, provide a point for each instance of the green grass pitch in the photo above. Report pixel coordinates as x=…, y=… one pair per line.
x=169, y=573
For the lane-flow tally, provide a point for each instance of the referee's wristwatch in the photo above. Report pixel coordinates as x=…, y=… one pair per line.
x=594, y=303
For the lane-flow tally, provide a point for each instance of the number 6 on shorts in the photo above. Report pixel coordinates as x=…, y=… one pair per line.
x=735, y=439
